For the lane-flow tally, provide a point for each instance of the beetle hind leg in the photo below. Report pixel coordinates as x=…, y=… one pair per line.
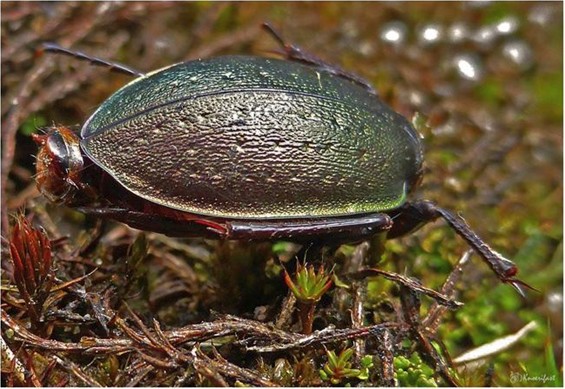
x=320, y=230
x=504, y=268
x=295, y=53
x=412, y=216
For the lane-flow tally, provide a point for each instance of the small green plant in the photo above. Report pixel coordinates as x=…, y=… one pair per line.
x=339, y=367
x=413, y=372
x=310, y=285
x=308, y=288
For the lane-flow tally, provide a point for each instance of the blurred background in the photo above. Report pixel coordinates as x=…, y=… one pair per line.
x=482, y=80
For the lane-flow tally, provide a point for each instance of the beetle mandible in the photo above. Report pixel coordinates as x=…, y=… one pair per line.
x=248, y=148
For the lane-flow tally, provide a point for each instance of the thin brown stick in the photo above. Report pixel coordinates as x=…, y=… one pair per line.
x=287, y=309
x=71, y=367
x=433, y=319
x=230, y=370
x=325, y=336
x=409, y=283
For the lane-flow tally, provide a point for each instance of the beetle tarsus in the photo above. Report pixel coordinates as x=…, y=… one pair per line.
x=504, y=268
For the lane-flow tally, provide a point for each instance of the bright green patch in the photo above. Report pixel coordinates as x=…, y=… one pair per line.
x=32, y=124
x=413, y=372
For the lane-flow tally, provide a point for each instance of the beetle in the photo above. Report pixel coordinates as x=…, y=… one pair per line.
x=248, y=148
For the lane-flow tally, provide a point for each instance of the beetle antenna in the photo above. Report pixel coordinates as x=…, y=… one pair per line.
x=113, y=66
x=295, y=53
x=274, y=33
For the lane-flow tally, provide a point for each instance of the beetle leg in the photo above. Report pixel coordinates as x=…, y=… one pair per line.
x=295, y=53
x=322, y=230
x=414, y=215
x=159, y=223
x=220, y=229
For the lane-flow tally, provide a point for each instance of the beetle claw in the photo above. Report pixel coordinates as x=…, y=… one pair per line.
x=520, y=286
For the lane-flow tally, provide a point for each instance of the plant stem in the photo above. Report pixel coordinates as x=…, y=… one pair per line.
x=306, y=314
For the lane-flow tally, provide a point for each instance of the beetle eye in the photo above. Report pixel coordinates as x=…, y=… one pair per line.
x=60, y=158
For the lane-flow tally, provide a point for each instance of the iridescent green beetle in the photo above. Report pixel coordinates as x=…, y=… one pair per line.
x=249, y=148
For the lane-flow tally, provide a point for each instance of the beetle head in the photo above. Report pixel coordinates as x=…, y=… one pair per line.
x=59, y=164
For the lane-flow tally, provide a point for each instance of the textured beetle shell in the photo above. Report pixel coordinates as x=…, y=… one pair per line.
x=251, y=137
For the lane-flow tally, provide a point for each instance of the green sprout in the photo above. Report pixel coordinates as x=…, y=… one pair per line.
x=308, y=288
x=310, y=285
x=339, y=367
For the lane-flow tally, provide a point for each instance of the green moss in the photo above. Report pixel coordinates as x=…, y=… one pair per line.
x=32, y=124
x=547, y=91
x=412, y=372
x=496, y=11
x=491, y=91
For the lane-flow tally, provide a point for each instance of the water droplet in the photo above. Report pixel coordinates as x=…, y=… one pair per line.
x=519, y=53
x=485, y=35
x=507, y=26
x=469, y=66
x=555, y=301
x=541, y=14
x=394, y=33
x=366, y=48
x=477, y=3
x=455, y=184
x=458, y=32
x=432, y=33
x=416, y=98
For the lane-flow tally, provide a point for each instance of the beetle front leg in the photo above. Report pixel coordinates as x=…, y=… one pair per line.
x=412, y=216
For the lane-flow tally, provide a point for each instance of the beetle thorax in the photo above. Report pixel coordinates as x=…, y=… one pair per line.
x=59, y=164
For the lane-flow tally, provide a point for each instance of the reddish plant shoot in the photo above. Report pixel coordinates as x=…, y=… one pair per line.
x=30, y=251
